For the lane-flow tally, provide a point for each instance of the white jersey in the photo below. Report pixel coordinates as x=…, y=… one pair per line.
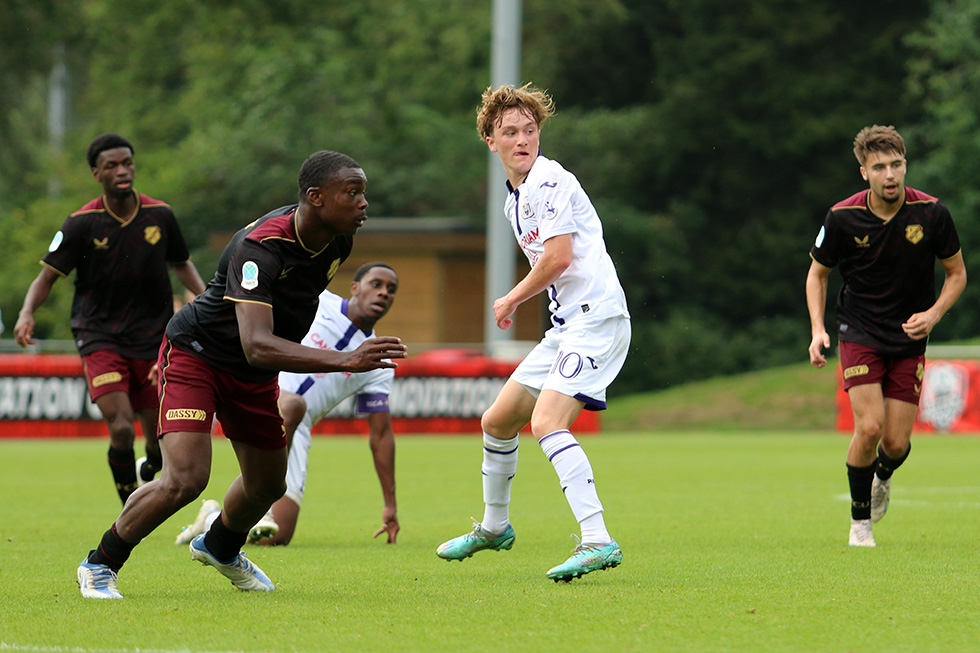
x=333, y=330
x=323, y=391
x=549, y=203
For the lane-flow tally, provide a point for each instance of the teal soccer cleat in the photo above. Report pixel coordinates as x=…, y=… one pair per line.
x=587, y=558
x=478, y=539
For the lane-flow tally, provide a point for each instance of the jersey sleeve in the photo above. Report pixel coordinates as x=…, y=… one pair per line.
x=947, y=240
x=825, y=248
x=553, y=203
x=67, y=246
x=177, y=251
x=252, y=271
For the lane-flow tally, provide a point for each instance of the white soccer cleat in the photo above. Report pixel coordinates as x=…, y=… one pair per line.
x=880, y=496
x=265, y=529
x=97, y=581
x=201, y=523
x=861, y=534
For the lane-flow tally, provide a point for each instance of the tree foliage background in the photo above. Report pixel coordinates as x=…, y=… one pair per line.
x=711, y=135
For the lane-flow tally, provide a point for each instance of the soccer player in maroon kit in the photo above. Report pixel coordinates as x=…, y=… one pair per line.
x=120, y=246
x=221, y=358
x=886, y=241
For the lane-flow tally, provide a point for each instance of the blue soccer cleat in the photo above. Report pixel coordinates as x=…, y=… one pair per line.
x=478, y=539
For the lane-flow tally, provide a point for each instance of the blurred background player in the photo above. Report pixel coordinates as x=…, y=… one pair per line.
x=305, y=399
x=885, y=241
x=221, y=357
x=120, y=246
x=579, y=357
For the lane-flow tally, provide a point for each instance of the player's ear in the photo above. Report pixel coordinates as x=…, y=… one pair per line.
x=314, y=196
x=355, y=288
x=491, y=143
x=864, y=173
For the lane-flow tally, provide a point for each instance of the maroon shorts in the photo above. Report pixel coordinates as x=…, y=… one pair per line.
x=108, y=371
x=900, y=377
x=193, y=393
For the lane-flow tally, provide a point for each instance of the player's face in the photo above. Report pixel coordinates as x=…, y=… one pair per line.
x=516, y=140
x=375, y=292
x=115, y=170
x=341, y=203
x=885, y=173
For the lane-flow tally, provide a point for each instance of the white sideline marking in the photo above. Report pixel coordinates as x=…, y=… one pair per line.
x=4, y=646
x=912, y=492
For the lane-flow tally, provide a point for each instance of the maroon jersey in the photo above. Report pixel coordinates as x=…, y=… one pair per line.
x=888, y=267
x=123, y=298
x=265, y=263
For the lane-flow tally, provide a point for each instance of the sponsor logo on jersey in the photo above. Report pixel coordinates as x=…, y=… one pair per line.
x=152, y=234
x=250, y=275
x=862, y=242
x=913, y=233
x=56, y=241
x=101, y=244
x=529, y=238
x=108, y=377
x=549, y=210
x=187, y=413
x=857, y=370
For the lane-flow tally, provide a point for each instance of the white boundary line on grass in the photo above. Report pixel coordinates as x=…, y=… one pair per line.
x=928, y=502
x=4, y=646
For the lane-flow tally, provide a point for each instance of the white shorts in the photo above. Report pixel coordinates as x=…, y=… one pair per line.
x=580, y=360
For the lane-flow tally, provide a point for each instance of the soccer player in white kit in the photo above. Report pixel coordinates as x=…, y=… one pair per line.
x=304, y=399
x=580, y=355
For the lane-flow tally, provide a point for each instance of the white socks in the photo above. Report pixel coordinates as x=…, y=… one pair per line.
x=499, y=467
x=578, y=484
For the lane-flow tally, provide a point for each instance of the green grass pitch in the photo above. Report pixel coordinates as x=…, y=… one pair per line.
x=732, y=542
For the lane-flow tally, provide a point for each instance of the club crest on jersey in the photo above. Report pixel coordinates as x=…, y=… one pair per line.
x=526, y=210
x=250, y=275
x=862, y=242
x=152, y=234
x=101, y=244
x=913, y=233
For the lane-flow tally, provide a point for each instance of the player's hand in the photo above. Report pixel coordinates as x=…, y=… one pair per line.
x=820, y=342
x=374, y=353
x=503, y=313
x=24, y=330
x=920, y=325
x=389, y=524
x=154, y=376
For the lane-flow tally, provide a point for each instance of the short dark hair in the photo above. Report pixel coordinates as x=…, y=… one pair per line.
x=103, y=142
x=875, y=139
x=320, y=166
x=361, y=271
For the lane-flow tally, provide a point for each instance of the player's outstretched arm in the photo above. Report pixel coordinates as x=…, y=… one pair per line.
x=266, y=350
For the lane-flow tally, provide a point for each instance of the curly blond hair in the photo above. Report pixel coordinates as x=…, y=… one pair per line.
x=533, y=101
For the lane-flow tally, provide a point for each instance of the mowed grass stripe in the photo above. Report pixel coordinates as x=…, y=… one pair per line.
x=733, y=541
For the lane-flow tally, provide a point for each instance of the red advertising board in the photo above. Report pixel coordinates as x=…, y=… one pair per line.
x=439, y=391
x=949, y=401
